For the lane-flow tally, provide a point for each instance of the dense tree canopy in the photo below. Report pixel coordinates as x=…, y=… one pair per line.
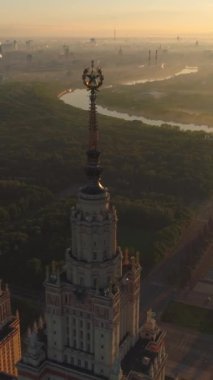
x=156, y=175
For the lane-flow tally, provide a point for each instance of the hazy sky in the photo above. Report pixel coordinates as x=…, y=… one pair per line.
x=99, y=17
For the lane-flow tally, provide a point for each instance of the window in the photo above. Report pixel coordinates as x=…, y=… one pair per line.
x=74, y=321
x=81, y=334
x=81, y=323
x=94, y=283
x=79, y=362
x=74, y=332
x=74, y=343
x=72, y=360
x=94, y=256
x=86, y=364
x=81, y=281
x=88, y=336
x=102, y=358
x=82, y=345
x=102, y=335
x=88, y=347
x=102, y=346
x=88, y=325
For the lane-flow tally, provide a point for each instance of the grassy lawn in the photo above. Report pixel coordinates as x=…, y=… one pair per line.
x=193, y=317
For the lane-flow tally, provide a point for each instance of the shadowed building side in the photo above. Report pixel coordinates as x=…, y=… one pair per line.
x=10, y=344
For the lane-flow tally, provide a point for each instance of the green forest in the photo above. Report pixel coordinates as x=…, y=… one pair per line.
x=157, y=177
x=183, y=98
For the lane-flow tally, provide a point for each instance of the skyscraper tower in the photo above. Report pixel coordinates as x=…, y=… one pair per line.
x=10, y=345
x=92, y=305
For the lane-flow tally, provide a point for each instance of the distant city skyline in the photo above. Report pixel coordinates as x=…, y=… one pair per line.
x=86, y=18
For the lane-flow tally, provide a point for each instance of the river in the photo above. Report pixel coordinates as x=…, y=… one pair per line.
x=79, y=98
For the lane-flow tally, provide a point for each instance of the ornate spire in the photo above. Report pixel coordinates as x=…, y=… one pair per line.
x=93, y=79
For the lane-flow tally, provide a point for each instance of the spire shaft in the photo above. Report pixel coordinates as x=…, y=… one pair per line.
x=93, y=79
x=93, y=127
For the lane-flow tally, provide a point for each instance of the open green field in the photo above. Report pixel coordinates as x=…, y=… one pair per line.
x=193, y=317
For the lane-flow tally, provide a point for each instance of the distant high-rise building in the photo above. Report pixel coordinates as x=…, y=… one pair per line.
x=93, y=304
x=15, y=45
x=10, y=344
x=149, y=57
x=115, y=34
x=156, y=57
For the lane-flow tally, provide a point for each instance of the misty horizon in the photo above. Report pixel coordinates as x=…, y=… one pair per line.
x=131, y=19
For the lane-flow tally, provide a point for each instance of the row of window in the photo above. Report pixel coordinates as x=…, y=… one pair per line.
x=80, y=363
x=81, y=346
x=79, y=322
x=78, y=314
x=82, y=335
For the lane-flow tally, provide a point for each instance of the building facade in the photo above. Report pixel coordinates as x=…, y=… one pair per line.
x=10, y=344
x=92, y=305
x=147, y=358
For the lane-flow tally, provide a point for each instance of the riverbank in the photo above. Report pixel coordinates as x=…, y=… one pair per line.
x=123, y=97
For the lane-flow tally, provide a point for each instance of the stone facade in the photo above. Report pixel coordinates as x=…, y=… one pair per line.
x=92, y=306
